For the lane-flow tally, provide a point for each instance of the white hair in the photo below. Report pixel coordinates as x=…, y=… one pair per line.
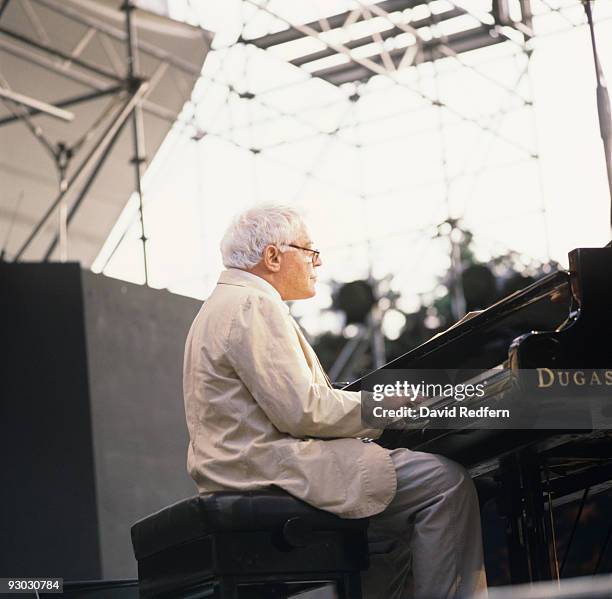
x=251, y=231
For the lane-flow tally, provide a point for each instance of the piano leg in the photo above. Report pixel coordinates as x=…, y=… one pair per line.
x=522, y=504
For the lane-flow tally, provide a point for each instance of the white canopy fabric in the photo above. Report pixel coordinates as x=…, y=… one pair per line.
x=57, y=50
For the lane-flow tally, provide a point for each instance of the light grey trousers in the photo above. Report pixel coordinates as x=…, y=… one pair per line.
x=427, y=543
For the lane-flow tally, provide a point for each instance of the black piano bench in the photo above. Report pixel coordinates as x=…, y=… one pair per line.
x=231, y=545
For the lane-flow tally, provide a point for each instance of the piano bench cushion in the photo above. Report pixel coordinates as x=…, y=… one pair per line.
x=230, y=511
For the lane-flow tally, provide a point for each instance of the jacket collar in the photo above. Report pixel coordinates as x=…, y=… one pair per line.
x=242, y=278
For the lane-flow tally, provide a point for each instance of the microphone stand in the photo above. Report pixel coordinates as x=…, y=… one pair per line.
x=603, y=103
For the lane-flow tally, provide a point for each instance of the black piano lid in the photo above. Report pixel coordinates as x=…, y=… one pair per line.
x=574, y=307
x=483, y=341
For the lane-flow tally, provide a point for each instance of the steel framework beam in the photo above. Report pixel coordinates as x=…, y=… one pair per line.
x=137, y=127
x=3, y=7
x=333, y=22
x=94, y=155
x=375, y=68
x=85, y=190
x=59, y=54
x=31, y=111
x=116, y=33
x=363, y=41
x=32, y=104
x=491, y=29
x=464, y=41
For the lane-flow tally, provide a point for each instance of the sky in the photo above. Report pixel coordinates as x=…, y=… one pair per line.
x=376, y=178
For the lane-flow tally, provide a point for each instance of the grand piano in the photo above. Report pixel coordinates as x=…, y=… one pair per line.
x=562, y=322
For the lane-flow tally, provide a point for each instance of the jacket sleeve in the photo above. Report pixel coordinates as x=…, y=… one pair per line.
x=264, y=350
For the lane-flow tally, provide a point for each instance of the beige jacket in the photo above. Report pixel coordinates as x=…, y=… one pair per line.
x=261, y=412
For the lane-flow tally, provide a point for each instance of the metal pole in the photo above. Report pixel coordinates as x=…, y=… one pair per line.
x=31, y=104
x=377, y=69
x=85, y=190
x=137, y=129
x=67, y=102
x=48, y=63
x=77, y=61
x=89, y=81
x=458, y=304
x=352, y=351
x=75, y=14
x=37, y=132
x=62, y=160
x=97, y=150
x=457, y=295
x=377, y=339
x=3, y=7
x=603, y=104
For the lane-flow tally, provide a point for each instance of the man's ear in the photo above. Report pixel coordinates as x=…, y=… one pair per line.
x=272, y=258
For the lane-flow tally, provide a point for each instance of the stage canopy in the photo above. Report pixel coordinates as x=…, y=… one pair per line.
x=65, y=90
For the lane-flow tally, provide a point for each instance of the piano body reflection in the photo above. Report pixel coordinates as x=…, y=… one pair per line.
x=563, y=321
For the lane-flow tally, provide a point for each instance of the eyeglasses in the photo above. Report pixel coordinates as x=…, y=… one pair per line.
x=315, y=253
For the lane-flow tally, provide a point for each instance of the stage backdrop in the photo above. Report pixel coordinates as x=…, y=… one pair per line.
x=93, y=428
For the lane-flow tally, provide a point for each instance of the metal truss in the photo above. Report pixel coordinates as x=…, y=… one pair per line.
x=375, y=66
x=489, y=31
x=498, y=22
x=383, y=9
x=96, y=158
x=493, y=28
x=120, y=79
x=500, y=28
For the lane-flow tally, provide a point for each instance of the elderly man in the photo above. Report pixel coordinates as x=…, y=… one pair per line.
x=262, y=413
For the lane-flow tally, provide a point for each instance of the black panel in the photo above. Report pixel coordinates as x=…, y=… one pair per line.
x=135, y=345
x=47, y=503
x=93, y=431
